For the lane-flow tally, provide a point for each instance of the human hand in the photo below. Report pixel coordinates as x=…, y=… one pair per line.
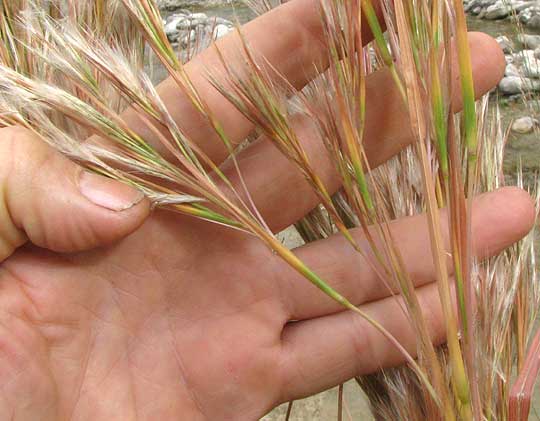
x=184, y=320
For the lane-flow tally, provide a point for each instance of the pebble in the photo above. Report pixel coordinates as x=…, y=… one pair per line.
x=187, y=28
x=524, y=125
x=528, y=41
x=513, y=85
x=522, y=73
x=512, y=70
x=174, y=5
x=527, y=11
x=506, y=44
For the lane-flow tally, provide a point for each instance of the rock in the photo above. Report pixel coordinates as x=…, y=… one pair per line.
x=510, y=85
x=192, y=22
x=530, y=42
x=531, y=68
x=524, y=125
x=173, y=37
x=534, y=22
x=221, y=21
x=506, y=44
x=201, y=16
x=523, y=57
x=171, y=27
x=520, y=6
x=220, y=31
x=497, y=11
x=527, y=61
x=527, y=11
x=195, y=29
x=173, y=5
x=189, y=38
x=512, y=70
x=513, y=85
x=525, y=15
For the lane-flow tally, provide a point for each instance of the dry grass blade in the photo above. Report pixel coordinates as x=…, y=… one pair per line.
x=521, y=393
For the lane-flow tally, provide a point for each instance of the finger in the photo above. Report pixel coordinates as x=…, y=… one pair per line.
x=273, y=179
x=295, y=26
x=499, y=219
x=321, y=353
x=56, y=204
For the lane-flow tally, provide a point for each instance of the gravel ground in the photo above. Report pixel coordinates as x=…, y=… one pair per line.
x=323, y=407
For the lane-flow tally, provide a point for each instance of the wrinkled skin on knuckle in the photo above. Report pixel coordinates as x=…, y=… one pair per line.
x=16, y=150
x=31, y=165
x=39, y=187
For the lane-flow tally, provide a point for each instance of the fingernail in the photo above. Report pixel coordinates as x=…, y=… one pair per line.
x=107, y=193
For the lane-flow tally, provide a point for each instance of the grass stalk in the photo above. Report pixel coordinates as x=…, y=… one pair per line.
x=382, y=45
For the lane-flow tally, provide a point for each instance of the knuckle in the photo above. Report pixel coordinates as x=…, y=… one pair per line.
x=362, y=343
x=24, y=161
x=21, y=151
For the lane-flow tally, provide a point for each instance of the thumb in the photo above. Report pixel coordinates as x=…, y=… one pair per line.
x=56, y=204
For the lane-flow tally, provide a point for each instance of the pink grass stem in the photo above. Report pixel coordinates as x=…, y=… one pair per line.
x=520, y=395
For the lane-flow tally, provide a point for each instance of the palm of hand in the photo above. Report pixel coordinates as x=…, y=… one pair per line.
x=169, y=324
x=186, y=320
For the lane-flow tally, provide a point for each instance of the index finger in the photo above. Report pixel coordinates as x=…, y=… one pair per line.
x=291, y=40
